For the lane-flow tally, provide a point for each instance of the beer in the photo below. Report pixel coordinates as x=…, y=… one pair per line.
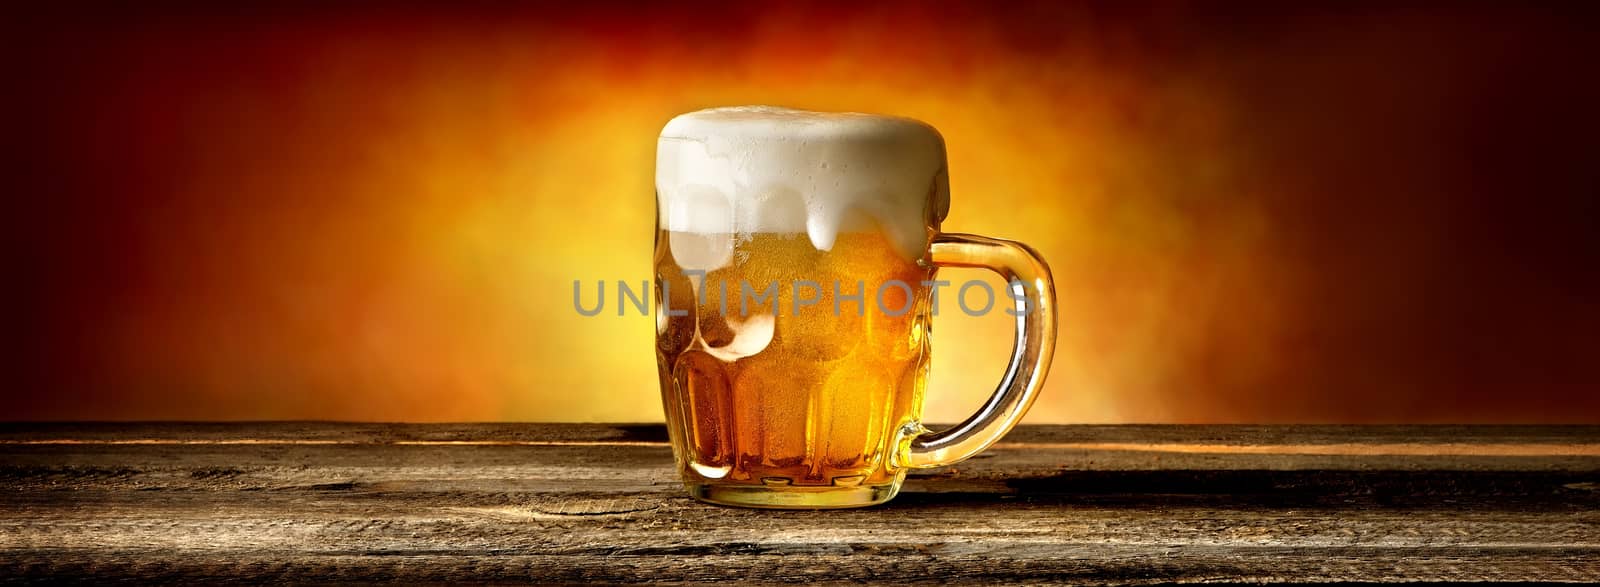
x=794, y=255
x=806, y=388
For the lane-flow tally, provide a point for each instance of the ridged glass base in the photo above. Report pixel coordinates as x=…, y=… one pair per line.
x=793, y=497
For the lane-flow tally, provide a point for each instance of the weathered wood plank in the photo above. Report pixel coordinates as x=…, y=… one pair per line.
x=554, y=503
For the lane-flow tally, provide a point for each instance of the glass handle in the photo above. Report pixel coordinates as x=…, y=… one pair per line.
x=1035, y=314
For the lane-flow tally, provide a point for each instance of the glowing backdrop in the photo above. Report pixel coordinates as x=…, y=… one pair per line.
x=1346, y=213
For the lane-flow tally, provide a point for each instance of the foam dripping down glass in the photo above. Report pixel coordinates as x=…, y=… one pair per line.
x=796, y=265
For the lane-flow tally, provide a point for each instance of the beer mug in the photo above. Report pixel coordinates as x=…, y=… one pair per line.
x=796, y=259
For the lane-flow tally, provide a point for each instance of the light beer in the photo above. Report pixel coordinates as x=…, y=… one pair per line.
x=794, y=254
x=807, y=387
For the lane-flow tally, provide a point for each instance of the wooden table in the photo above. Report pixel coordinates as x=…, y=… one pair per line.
x=567, y=503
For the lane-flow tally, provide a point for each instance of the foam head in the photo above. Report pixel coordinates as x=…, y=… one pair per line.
x=752, y=169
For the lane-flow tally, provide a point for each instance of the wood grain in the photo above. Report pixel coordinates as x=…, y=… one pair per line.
x=572, y=503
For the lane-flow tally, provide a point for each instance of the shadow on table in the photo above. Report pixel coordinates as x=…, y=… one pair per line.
x=1269, y=488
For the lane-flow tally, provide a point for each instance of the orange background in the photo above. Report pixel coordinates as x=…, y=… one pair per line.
x=1274, y=212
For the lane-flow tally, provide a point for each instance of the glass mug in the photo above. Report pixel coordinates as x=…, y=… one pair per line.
x=795, y=260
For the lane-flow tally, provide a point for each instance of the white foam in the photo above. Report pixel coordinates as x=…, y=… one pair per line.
x=732, y=171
